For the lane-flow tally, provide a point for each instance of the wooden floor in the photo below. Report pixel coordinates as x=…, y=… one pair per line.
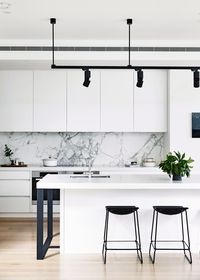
x=18, y=261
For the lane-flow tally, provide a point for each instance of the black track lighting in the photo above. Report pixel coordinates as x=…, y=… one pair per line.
x=138, y=68
x=139, y=78
x=196, y=78
x=87, y=75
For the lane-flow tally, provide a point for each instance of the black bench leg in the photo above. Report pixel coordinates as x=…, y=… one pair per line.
x=42, y=246
x=40, y=210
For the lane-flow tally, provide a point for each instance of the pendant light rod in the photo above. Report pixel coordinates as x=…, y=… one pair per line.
x=53, y=22
x=127, y=67
x=129, y=22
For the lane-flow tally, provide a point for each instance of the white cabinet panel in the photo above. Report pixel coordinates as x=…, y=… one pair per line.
x=50, y=100
x=83, y=103
x=150, y=102
x=14, y=204
x=13, y=175
x=117, y=100
x=14, y=188
x=16, y=101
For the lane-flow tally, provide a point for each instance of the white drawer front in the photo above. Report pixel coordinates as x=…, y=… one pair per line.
x=11, y=175
x=14, y=204
x=14, y=188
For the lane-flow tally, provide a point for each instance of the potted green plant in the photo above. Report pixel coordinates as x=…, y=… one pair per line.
x=176, y=165
x=8, y=153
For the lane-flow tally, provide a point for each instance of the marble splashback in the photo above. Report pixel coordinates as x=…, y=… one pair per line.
x=81, y=148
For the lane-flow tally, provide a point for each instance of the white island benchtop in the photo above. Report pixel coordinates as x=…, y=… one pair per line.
x=117, y=181
x=83, y=201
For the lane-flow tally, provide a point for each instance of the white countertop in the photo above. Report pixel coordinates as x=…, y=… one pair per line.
x=118, y=182
x=135, y=169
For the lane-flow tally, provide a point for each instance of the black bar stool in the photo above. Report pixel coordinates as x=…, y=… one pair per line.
x=122, y=210
x=170, y=210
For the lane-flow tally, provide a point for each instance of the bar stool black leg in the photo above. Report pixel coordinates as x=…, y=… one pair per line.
x=137, y=236
x=152, y=230
x=104, y=234
x=104, y=249
x=183, y=235
x=188, y=237
x=153, y=242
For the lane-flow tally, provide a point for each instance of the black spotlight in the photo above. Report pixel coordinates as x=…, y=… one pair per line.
x=139, y=78
x=196, y=78
x=87, y=76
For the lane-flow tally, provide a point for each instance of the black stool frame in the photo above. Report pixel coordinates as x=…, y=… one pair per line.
x=153, y=242
x=136, y=241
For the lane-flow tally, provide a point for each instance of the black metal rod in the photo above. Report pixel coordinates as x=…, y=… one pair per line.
x=46, y=245
x=50, y=213
x=129, y=67
x=129, y=45
x=53, y=22
x=40, y=197
x=183, y=235
x=53, y=45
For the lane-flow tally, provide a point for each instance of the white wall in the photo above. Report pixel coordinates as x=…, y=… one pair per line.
x=183, y=99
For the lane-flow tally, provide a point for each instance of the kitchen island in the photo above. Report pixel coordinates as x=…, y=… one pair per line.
x=83, y=201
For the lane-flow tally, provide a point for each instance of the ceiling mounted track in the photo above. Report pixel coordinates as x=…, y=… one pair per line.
x=138, y=68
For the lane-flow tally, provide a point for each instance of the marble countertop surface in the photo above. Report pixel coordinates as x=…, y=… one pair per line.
x=123, y=169
x=118, y=181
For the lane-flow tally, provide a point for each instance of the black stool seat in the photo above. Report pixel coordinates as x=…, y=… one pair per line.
x=170, y=210
x=121, y=210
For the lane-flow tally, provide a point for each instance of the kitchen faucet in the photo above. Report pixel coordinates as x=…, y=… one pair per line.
x=89, y=168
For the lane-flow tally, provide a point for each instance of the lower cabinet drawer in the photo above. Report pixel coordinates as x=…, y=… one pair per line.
x=14, y=188
x=14, y=204
x=14, y=175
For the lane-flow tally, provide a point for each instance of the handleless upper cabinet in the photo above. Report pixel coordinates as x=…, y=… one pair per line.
x=50, y=101
x=16, y=97
x=117, y=100
x=150, y=102
x=83, y=103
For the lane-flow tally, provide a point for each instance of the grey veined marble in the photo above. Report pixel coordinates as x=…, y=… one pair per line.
x=81, y=148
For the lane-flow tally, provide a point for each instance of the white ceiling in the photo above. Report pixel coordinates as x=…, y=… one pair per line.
x=102, y=19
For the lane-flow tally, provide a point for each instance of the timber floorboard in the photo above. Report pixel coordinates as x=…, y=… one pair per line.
x=18, y=260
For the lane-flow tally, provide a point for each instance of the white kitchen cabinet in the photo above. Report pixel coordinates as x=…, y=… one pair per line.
x=15, y=191
x=83, y=103
x=150, y=102
x=117, y=100
x=14, y=175
x=50, y=101
x=14, y=188
x=16, y=100
x=14, y=205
